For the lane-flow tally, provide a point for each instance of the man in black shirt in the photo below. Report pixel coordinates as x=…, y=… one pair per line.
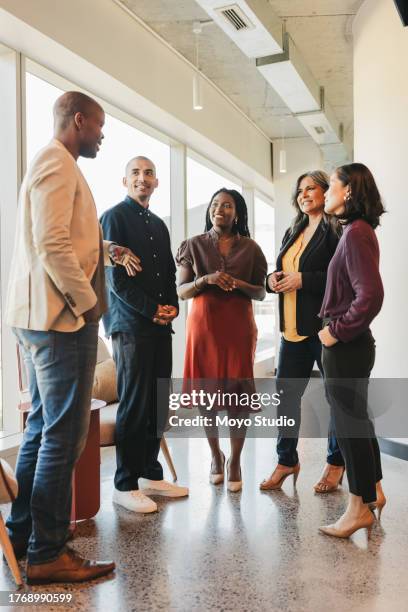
x=139, y=318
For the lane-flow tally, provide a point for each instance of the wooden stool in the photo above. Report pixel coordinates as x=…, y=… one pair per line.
x=8, y=495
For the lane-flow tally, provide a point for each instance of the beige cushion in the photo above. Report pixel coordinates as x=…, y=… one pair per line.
x=8, y=483
x=107, y=416
x=104, y=387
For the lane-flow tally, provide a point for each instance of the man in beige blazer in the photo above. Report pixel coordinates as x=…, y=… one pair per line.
x=55, y=300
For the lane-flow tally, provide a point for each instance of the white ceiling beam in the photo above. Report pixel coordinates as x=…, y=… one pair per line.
x=291, y=78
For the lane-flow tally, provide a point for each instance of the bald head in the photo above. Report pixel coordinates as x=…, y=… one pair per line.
x=78, y=123
x=140, y=180
x=134, y=161
x=71, y=103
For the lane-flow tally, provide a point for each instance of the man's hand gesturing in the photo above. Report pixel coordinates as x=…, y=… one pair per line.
x=123, y=256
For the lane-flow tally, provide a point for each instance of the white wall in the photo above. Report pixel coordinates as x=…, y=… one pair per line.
x=101, y=48
x=381, y=140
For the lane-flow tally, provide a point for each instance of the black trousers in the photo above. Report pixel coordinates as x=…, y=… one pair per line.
x=296, y=361
x=140, y=361
x=347, y=368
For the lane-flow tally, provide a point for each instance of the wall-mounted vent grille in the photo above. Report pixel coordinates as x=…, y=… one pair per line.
x=235, y=17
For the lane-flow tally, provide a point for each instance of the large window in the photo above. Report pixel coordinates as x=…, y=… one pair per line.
x=103, y=174
x=265, y=311
x=10, y=172
x=122, y=142
x=26, y=125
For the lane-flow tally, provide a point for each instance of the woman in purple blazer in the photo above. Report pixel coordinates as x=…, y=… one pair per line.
x=353, y=297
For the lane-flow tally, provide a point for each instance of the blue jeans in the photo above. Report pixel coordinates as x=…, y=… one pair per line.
x=60, y=369
x=296, y=361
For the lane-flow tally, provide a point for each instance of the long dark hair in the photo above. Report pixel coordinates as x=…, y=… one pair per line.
x=241, y=226
x=365, y=200
x=301, y=219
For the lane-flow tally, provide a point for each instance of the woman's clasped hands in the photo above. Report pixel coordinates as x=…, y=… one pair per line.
x=284, y=282
x=224, y=281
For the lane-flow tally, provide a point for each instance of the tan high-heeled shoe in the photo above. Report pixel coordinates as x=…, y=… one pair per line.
x=378, y=505
x=330, y=480
x=278, y=477
x=234, y=485
x=219, y=477
x=364, y=522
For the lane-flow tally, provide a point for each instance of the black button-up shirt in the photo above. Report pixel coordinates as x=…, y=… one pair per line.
x=133, y=301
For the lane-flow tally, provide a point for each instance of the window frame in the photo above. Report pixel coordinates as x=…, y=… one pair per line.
x=269, y=353
x=12, y=120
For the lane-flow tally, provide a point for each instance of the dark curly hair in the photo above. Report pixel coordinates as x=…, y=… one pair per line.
x=365, y=200
x=241, y=227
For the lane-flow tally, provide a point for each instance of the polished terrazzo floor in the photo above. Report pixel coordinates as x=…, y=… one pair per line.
x=247, y=551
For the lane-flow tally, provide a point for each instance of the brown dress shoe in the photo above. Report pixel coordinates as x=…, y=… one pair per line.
x=68, y=567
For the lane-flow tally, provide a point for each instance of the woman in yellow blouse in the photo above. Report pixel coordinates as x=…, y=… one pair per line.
x=300, y=281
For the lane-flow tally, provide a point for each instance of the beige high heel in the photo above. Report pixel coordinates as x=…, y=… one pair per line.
x=233, y=485
x=327, y=484
x=275, y=482
x=216, y=479
x=365, y=522
x=378, y=505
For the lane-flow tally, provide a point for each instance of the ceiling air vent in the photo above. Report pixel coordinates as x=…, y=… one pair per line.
x=319, y=129
x=235, y=17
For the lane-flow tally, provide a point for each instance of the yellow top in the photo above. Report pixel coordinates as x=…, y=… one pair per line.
x=290, y=263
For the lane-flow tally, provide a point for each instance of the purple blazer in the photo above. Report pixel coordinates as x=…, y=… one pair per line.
x=354, y=291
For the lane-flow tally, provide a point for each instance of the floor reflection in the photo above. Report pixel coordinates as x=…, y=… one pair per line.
x=250, y=550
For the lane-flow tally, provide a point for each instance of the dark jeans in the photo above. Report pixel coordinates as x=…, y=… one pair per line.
x=347, y=368
x=140, y=361
x=296, y=361
x=60, y=369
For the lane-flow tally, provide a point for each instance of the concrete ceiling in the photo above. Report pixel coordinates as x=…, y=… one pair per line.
x=321, y=29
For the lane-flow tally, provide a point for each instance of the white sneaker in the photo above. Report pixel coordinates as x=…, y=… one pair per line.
x=162, y=487
x=134, y=500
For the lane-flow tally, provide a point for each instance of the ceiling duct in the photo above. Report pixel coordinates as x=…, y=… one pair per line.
x=236, y=17
x=291, y=78
x=251, y=24
x=281, y=64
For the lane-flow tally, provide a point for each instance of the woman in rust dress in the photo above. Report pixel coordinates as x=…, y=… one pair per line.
x=223, y=270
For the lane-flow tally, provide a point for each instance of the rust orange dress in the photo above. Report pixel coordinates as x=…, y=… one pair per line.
x=221, y=329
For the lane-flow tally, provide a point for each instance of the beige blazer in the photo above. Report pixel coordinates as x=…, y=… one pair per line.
x=57, y=246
